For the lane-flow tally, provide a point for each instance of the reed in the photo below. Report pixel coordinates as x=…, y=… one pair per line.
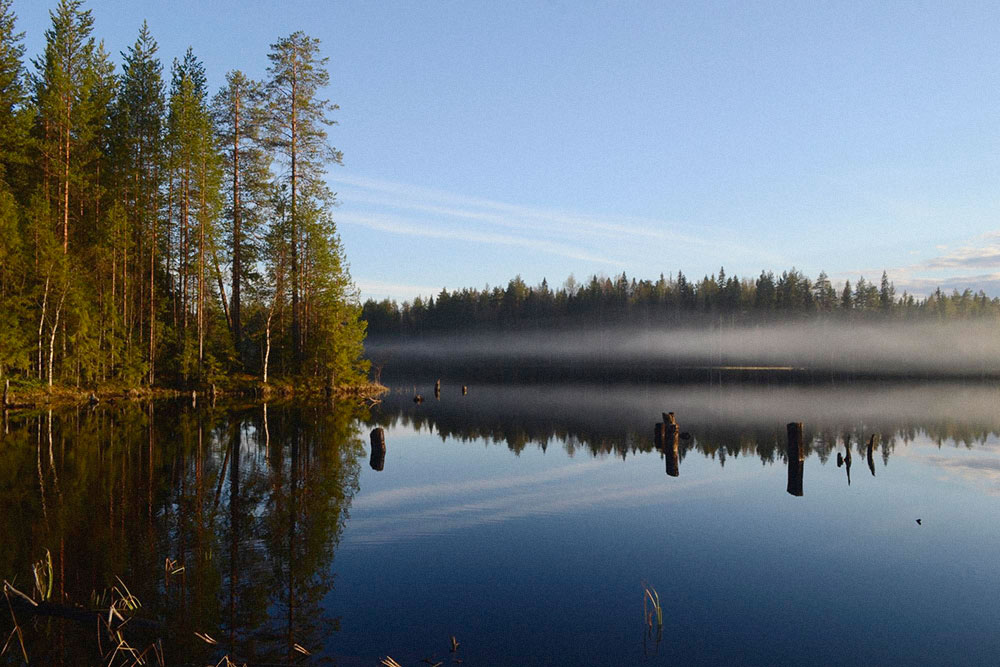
x=651, y=605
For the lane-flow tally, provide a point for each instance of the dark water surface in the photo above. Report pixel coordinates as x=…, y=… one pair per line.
x=523, y=520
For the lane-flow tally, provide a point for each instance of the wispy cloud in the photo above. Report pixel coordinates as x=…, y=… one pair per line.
x=416, y=227
x=515, y=215
x=982, y=252
x=424, y=492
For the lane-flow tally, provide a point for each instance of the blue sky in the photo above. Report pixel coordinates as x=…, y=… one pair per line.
x=483, y=140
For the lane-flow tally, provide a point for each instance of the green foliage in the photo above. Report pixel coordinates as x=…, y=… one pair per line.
x=138, y=225
x=608, y=301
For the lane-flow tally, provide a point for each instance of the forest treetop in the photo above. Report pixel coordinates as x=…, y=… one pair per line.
x=604, y=300
x=155, y=232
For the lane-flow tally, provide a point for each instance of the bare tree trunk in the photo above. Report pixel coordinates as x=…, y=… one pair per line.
x=69, y=107
x=201, y=269
x=55, y=327
x=296, y=330
x=183, y=260
x=267, y=343
x=236, y=323
x=222, y=289
x=152, y=303
x=41, y=323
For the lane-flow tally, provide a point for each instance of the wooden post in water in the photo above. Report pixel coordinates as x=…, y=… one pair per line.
x=465, y=390
x=377, y=460
x=194, y=398
x=796, y=458
x=437, y=389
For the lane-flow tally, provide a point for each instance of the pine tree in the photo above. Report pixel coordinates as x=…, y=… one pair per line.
x=296, y=121
x=63, y=88
x=238, y=117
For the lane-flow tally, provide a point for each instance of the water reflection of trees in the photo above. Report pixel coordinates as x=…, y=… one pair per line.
x=607, y=424
x=250, y=502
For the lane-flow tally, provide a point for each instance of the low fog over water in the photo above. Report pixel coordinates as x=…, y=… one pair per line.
x=966, y=348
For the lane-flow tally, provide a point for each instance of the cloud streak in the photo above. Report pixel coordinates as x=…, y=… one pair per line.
x=415, y=227
x=515, y=215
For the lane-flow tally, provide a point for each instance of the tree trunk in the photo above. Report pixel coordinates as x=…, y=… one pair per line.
x=222, y=289
x=201, y=269
x=296, y=325
x=69, y=106
x=41, y=323
x=237, y=240
x=52, y=338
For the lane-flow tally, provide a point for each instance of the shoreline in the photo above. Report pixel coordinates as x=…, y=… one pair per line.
x=32, y=397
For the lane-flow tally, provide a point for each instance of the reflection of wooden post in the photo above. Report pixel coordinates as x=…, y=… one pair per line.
x=671, y=453
x=872, y=444
x=377, y=460
x=796, y=458
x=194, y=398
x=6, y=393
x=437, y=389
x=659, y=435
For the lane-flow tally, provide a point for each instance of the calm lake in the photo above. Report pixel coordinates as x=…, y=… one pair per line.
x=524, y=520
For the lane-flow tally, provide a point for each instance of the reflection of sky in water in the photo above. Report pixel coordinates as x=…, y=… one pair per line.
x=536, y=557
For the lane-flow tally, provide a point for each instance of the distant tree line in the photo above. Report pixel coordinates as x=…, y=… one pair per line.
x=603, y=300
x=152, y=232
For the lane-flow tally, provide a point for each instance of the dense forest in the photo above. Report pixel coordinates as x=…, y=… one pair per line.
x=152, y=232
x=603, y=300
